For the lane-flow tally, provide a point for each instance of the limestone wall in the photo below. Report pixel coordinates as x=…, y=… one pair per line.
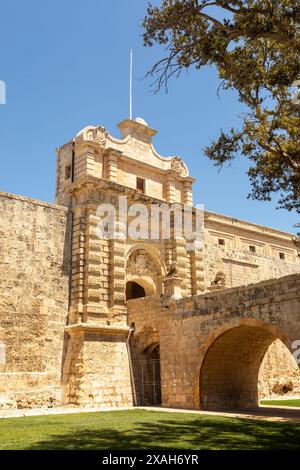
x=279, y=373
x=96, y=370
x=34, y=276
x=246, y=253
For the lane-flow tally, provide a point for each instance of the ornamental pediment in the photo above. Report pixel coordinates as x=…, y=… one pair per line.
x=135, y=144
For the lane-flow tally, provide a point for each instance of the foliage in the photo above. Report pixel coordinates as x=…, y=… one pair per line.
x=255, y=46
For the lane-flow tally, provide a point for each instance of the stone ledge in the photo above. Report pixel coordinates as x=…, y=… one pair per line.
x=92, y=328
x=216, y=218
x=35, y=202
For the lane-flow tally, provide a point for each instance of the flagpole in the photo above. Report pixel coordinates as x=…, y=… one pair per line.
x=130, y=87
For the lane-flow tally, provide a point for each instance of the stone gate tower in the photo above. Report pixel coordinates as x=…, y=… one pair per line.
x=94, y=169
x=71, y=291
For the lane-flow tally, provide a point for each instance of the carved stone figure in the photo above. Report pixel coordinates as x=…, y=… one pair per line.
x=220, y=280
x=173, y=270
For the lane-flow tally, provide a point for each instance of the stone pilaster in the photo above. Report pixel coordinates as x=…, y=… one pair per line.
x=84, y=160
x=170, y=188
x=77, y=273
x=111, y=164
x=188, y=192
x=96, y=282
x=117, y=280
x=179, y=256
x=197, y=272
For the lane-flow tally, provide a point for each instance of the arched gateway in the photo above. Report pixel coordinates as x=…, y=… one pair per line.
x=143, y=272
x=230, y=369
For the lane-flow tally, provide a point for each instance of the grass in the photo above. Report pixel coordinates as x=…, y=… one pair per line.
x=141, y=429
x=292, y=402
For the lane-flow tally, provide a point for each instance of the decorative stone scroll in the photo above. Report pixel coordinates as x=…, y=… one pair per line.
x=179, y=167
x=96, y=135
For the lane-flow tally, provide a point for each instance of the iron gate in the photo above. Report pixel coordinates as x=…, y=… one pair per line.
x=147, y=380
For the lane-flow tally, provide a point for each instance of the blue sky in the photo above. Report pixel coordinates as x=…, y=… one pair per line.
x=65, y=64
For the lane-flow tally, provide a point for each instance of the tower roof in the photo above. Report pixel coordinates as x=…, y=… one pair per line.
x=137, y=129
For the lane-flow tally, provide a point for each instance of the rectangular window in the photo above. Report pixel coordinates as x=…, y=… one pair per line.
x=282, y=255
x=67, y=172
x=140, y=185
x=221, y=241
x=252, y=248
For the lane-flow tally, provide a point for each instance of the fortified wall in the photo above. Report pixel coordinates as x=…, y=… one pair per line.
x=34, y=280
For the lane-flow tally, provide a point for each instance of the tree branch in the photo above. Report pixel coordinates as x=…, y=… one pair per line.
x=216, y=22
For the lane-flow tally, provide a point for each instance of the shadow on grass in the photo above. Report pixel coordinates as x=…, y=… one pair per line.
x=199, y=433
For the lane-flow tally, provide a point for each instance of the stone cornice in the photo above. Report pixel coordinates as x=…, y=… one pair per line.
x=94, y=328
x=161, y=171
x=224, y=221
x=36, y=202
x=101, y=184
x=251, y=227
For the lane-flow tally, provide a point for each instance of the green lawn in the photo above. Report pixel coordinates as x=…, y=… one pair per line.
x=141, y=429
x=292, y=402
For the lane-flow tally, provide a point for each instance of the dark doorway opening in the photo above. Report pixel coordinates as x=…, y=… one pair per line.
x=147, y=377
x=134, y=290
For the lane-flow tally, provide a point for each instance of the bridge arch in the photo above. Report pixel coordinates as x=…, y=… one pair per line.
x=230, y=363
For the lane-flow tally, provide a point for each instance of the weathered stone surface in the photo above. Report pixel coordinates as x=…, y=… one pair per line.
x=34, y=258
x=279, y=373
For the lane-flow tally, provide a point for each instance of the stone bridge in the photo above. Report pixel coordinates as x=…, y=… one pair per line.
x=211, y=346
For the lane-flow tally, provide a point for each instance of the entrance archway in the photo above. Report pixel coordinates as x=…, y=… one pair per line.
x=230, y=369
x=134, y=290
x=143, y=271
